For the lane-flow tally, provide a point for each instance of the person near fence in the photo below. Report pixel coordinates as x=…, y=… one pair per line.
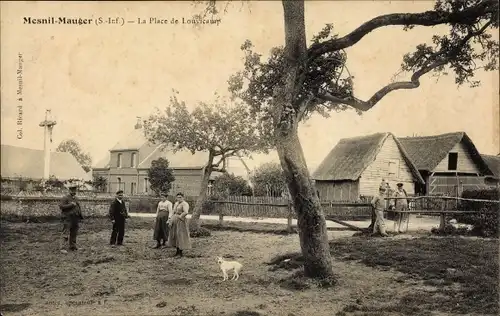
x=378, y=204
x=400, y=203
x=71, y=216
x=178, y=235
x=118, y=215
x=163, y=213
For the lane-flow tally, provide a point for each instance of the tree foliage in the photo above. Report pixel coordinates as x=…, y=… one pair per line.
x=100, y=183
x=269, y=180
x=325, y=83
x=230, y=184
x=219, y=128
x=73, y=147
x=160, y=176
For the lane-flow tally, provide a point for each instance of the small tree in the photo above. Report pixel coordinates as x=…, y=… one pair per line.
x=160, y=176
x=229, y=184
x=222, y=130
x=100, y=183
x=71, y=146
x=269, y=180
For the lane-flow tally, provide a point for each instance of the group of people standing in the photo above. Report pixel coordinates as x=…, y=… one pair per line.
x=399, y=203
x=171, y=225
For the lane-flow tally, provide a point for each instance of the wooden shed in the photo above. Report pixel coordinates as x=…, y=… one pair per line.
x=356, y=166
x=449, y=162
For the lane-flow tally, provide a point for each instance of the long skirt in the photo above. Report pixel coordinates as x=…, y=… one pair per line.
x=161, y=226
x=178, y=235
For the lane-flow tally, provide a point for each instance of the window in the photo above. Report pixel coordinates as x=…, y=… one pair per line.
x=393, y=168
x=146, y=184
x=452, y=161
x=133, y=161
x=132, y=188
x=119, y=161
x=119, y=183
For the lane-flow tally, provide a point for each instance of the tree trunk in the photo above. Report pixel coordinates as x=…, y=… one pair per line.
x=286, y=113
x=195, y=222
x=310, y=218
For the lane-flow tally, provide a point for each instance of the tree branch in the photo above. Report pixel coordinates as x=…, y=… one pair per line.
x=434, y=61
x=428, y=18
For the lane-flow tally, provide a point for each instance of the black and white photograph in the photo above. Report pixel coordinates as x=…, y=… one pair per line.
x=250, y=158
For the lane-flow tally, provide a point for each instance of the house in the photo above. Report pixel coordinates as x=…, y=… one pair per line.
x=449, y=162
x=22, y=167
x=356, y=166
x=128, y=162
x=493, y=163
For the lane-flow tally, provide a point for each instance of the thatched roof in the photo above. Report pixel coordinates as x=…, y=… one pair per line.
x=427, y=152
x=493, y=163
x=351, y=156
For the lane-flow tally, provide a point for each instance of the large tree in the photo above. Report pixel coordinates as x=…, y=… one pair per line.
x=220, y=129
x=73, y=147
x=299, y=79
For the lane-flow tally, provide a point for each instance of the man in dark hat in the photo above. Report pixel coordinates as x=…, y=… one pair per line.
x=71, y=215
x=118, y=214
x=400, y=204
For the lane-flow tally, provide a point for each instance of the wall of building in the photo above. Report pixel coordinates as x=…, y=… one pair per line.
x=338, y=190
x=379, y=169
x=465, y=164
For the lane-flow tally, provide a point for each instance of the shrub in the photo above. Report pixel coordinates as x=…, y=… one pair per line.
x=486, y=221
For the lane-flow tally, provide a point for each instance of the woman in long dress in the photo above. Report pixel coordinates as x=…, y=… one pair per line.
x=163, y=213
x=178, y=236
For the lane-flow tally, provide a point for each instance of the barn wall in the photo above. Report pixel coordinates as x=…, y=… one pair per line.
x=465, y=164
x=338, y=190
x=379, y=169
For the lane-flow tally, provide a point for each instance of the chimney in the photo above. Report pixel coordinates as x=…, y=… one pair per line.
x=138, y=124
x=48, y=125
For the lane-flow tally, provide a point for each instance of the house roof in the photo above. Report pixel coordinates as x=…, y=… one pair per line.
x=351, y=156
x=19, y=162
x=182, y=159
x=428, y=151
x=493, y=163
x=133, y=141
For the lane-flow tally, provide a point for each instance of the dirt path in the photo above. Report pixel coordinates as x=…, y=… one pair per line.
x=137, y=280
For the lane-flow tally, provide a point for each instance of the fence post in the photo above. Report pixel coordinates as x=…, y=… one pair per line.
x=221, y=213
x=442, y=220
x=290, y=216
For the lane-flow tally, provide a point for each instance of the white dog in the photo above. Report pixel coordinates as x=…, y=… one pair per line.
x=226, y=266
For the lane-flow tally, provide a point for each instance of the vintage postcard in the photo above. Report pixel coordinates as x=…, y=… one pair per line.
x=249, y=157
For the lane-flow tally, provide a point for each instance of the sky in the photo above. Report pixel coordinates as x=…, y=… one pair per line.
x=98, y=79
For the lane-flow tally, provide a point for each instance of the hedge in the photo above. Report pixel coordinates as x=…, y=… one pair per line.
x=486, y=221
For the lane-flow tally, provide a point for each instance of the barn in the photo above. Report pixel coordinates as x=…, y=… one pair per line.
x=356, y=166
x=449, y=163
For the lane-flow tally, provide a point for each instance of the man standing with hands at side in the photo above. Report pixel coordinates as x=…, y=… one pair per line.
x=72, y=215
x=118, y=214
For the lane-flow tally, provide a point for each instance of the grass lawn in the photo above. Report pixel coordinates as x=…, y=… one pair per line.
x=375, y=276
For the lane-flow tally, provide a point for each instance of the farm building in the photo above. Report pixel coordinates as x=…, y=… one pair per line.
x=449, y=163
x=356, y=166
x=128, y=162
x=493, y=163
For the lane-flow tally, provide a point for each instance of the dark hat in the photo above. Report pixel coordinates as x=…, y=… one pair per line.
x=72, y=186
x=399, y=184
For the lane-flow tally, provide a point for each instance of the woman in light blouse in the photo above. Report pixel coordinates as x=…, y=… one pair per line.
x=178, y=236
x=163, y=213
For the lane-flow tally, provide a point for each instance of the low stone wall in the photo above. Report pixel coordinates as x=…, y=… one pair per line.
x=24, y=208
